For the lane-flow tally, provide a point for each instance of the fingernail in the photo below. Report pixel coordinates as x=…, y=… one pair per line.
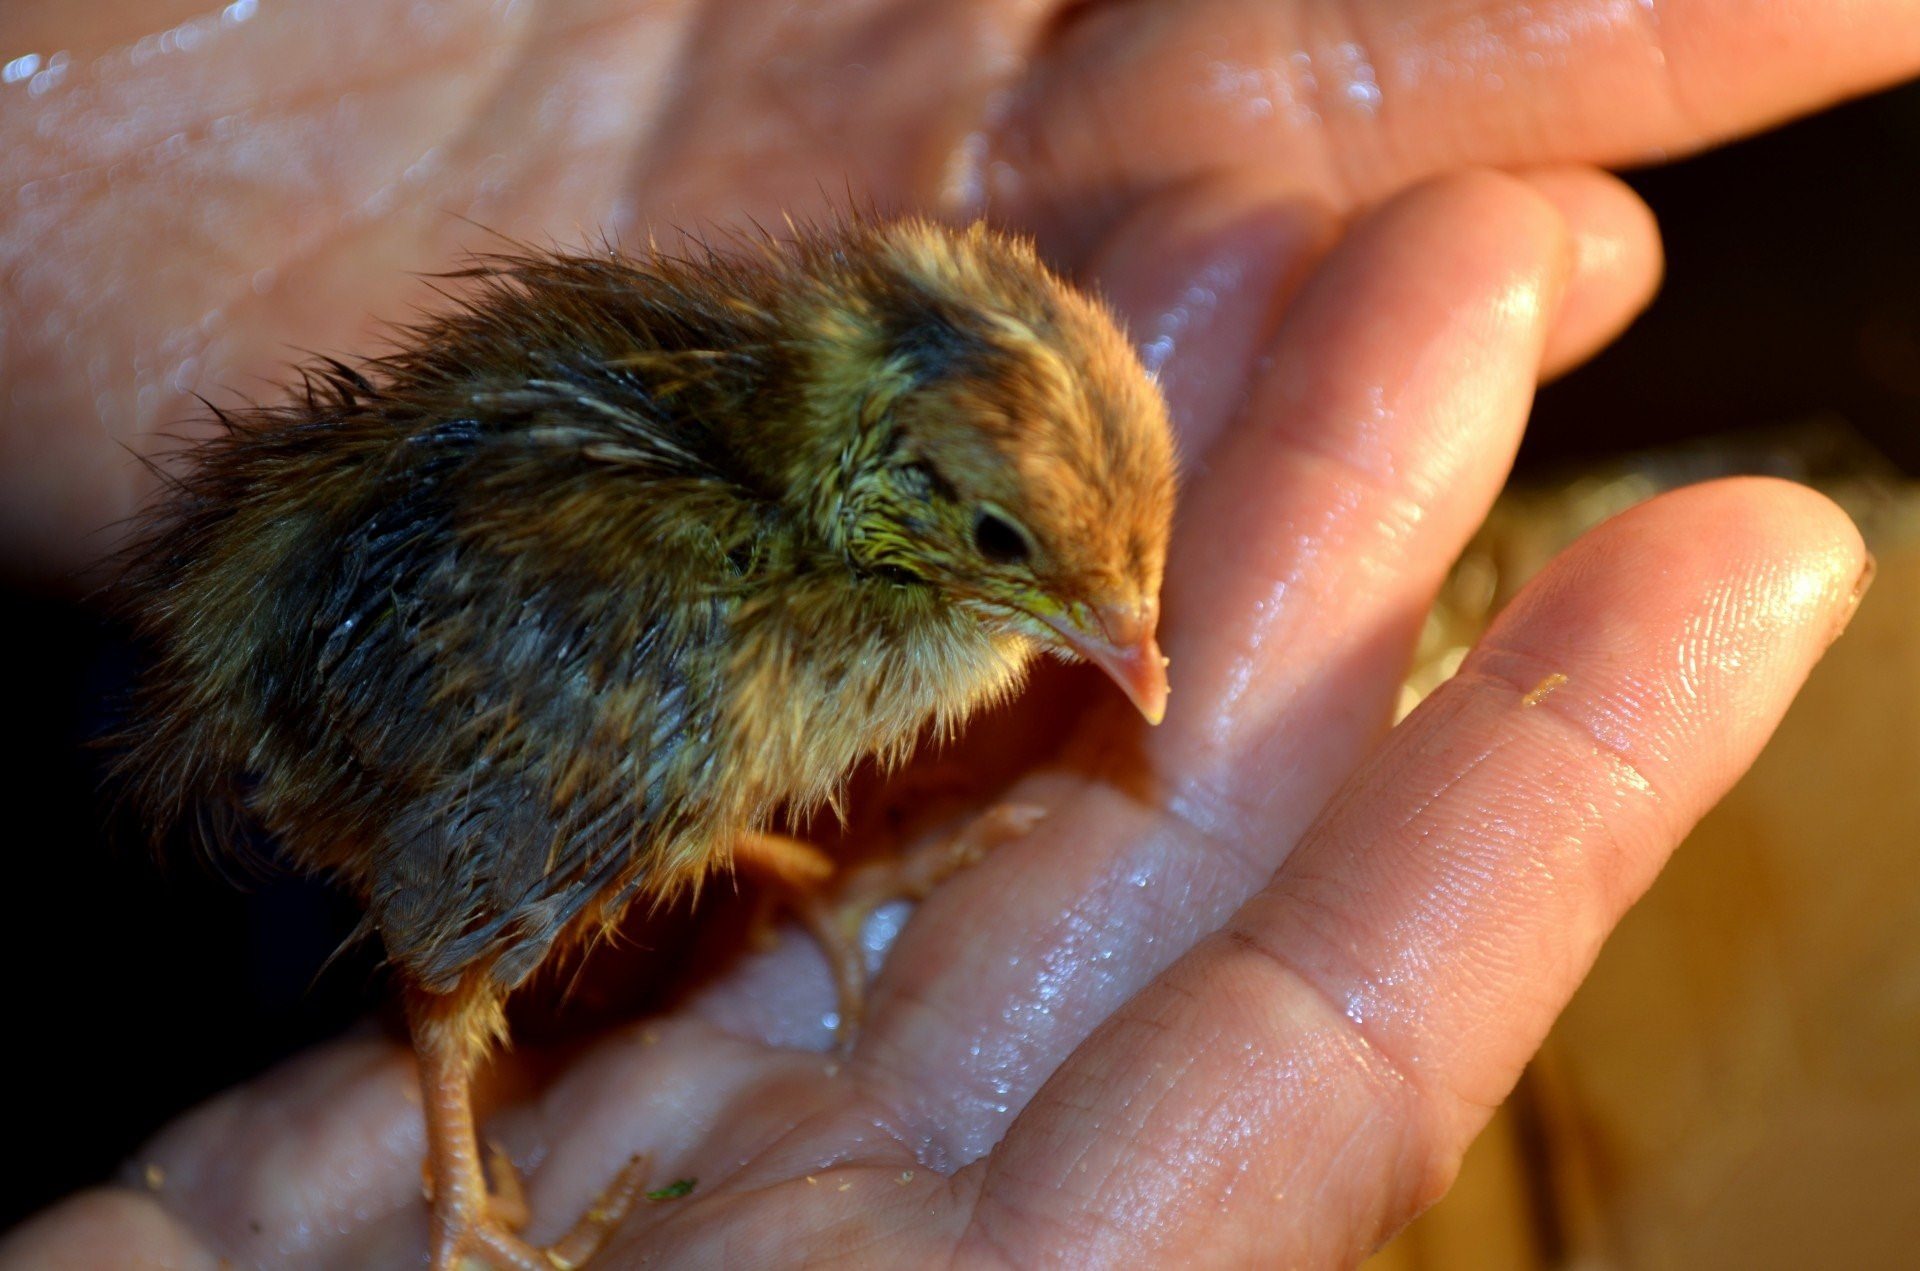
x=1860, y=586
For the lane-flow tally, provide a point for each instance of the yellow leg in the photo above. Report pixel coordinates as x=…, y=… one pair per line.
x=780, y=859
x=835, y=917
x=472, y=1226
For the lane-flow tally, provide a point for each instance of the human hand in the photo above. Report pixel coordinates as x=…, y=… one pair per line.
x=1192, y=1014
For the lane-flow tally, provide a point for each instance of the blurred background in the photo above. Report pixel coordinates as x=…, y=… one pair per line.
x=1738, y=1085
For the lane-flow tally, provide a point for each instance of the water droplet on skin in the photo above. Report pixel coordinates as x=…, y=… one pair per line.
x=50, y=78
x=1349, y=62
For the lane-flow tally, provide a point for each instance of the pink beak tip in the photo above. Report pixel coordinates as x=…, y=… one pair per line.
x=1126, y=650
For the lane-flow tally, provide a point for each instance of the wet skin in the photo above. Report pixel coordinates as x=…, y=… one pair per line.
x=1259, y=976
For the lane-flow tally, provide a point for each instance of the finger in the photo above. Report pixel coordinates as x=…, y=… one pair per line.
x=105, y=1229
x=1375, y=438
x=1311, y=541
x=1311, y=1073
x=1201, y=276
x=1617, y=261
x=1348, y=102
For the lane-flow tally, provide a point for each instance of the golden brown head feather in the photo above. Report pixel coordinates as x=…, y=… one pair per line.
x=1022, y=461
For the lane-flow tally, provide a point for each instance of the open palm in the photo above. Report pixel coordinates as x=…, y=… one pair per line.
x=1258, y=976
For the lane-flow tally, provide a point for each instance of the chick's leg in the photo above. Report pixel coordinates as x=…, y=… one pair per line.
x=470, y=1225
x=836, y=915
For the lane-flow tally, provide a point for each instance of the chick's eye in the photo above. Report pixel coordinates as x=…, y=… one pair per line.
x=998, y=540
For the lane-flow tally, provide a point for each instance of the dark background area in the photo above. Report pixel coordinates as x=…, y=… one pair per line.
x=1793, y=292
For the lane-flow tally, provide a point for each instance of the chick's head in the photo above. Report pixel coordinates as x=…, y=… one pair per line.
x=1026, y=467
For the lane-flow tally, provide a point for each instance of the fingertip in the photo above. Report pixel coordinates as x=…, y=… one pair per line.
x=1699, y=613
x=1780, y=534
x=1617, y=260
x=1794, y=542
x=1479, y=216
x=1810, y=566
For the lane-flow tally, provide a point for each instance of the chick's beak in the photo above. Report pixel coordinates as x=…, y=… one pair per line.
x=1118, y=639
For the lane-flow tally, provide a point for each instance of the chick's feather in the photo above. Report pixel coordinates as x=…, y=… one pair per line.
x=532, y=616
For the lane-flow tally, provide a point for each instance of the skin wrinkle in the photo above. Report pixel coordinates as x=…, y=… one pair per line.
x=976, y=1234
x=678, y=1240
x=736, y=1106
x=1358, y=1104
x=1383, y=499
x=1601, y=865
x=1491, y=671
x=1090, y=1223
x=946, y=1136
x=874, y=1103
x=1247, y=726
x=1045, y=56
x=971, y=1088
x=1369, y=1224
x=921, y=160
x=1227, y=253
x=1242, y=938
x=242, y=284
x=1478, y=826
x=1243, y=854
x=1629, y=776
x=1304, y=886
x=1175, y=858
x=1294, y=586
x=175, y=402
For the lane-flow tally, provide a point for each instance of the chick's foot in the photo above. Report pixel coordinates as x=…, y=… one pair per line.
x=468, y=1236
x=836, y=915
x=472, y=1226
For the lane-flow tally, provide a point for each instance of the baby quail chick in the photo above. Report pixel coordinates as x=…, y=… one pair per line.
x=556, y=606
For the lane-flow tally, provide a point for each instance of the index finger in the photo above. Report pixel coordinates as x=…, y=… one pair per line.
x=1349, y=102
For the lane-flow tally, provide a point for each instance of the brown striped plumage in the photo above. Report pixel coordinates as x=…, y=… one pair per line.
x=532, y=617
